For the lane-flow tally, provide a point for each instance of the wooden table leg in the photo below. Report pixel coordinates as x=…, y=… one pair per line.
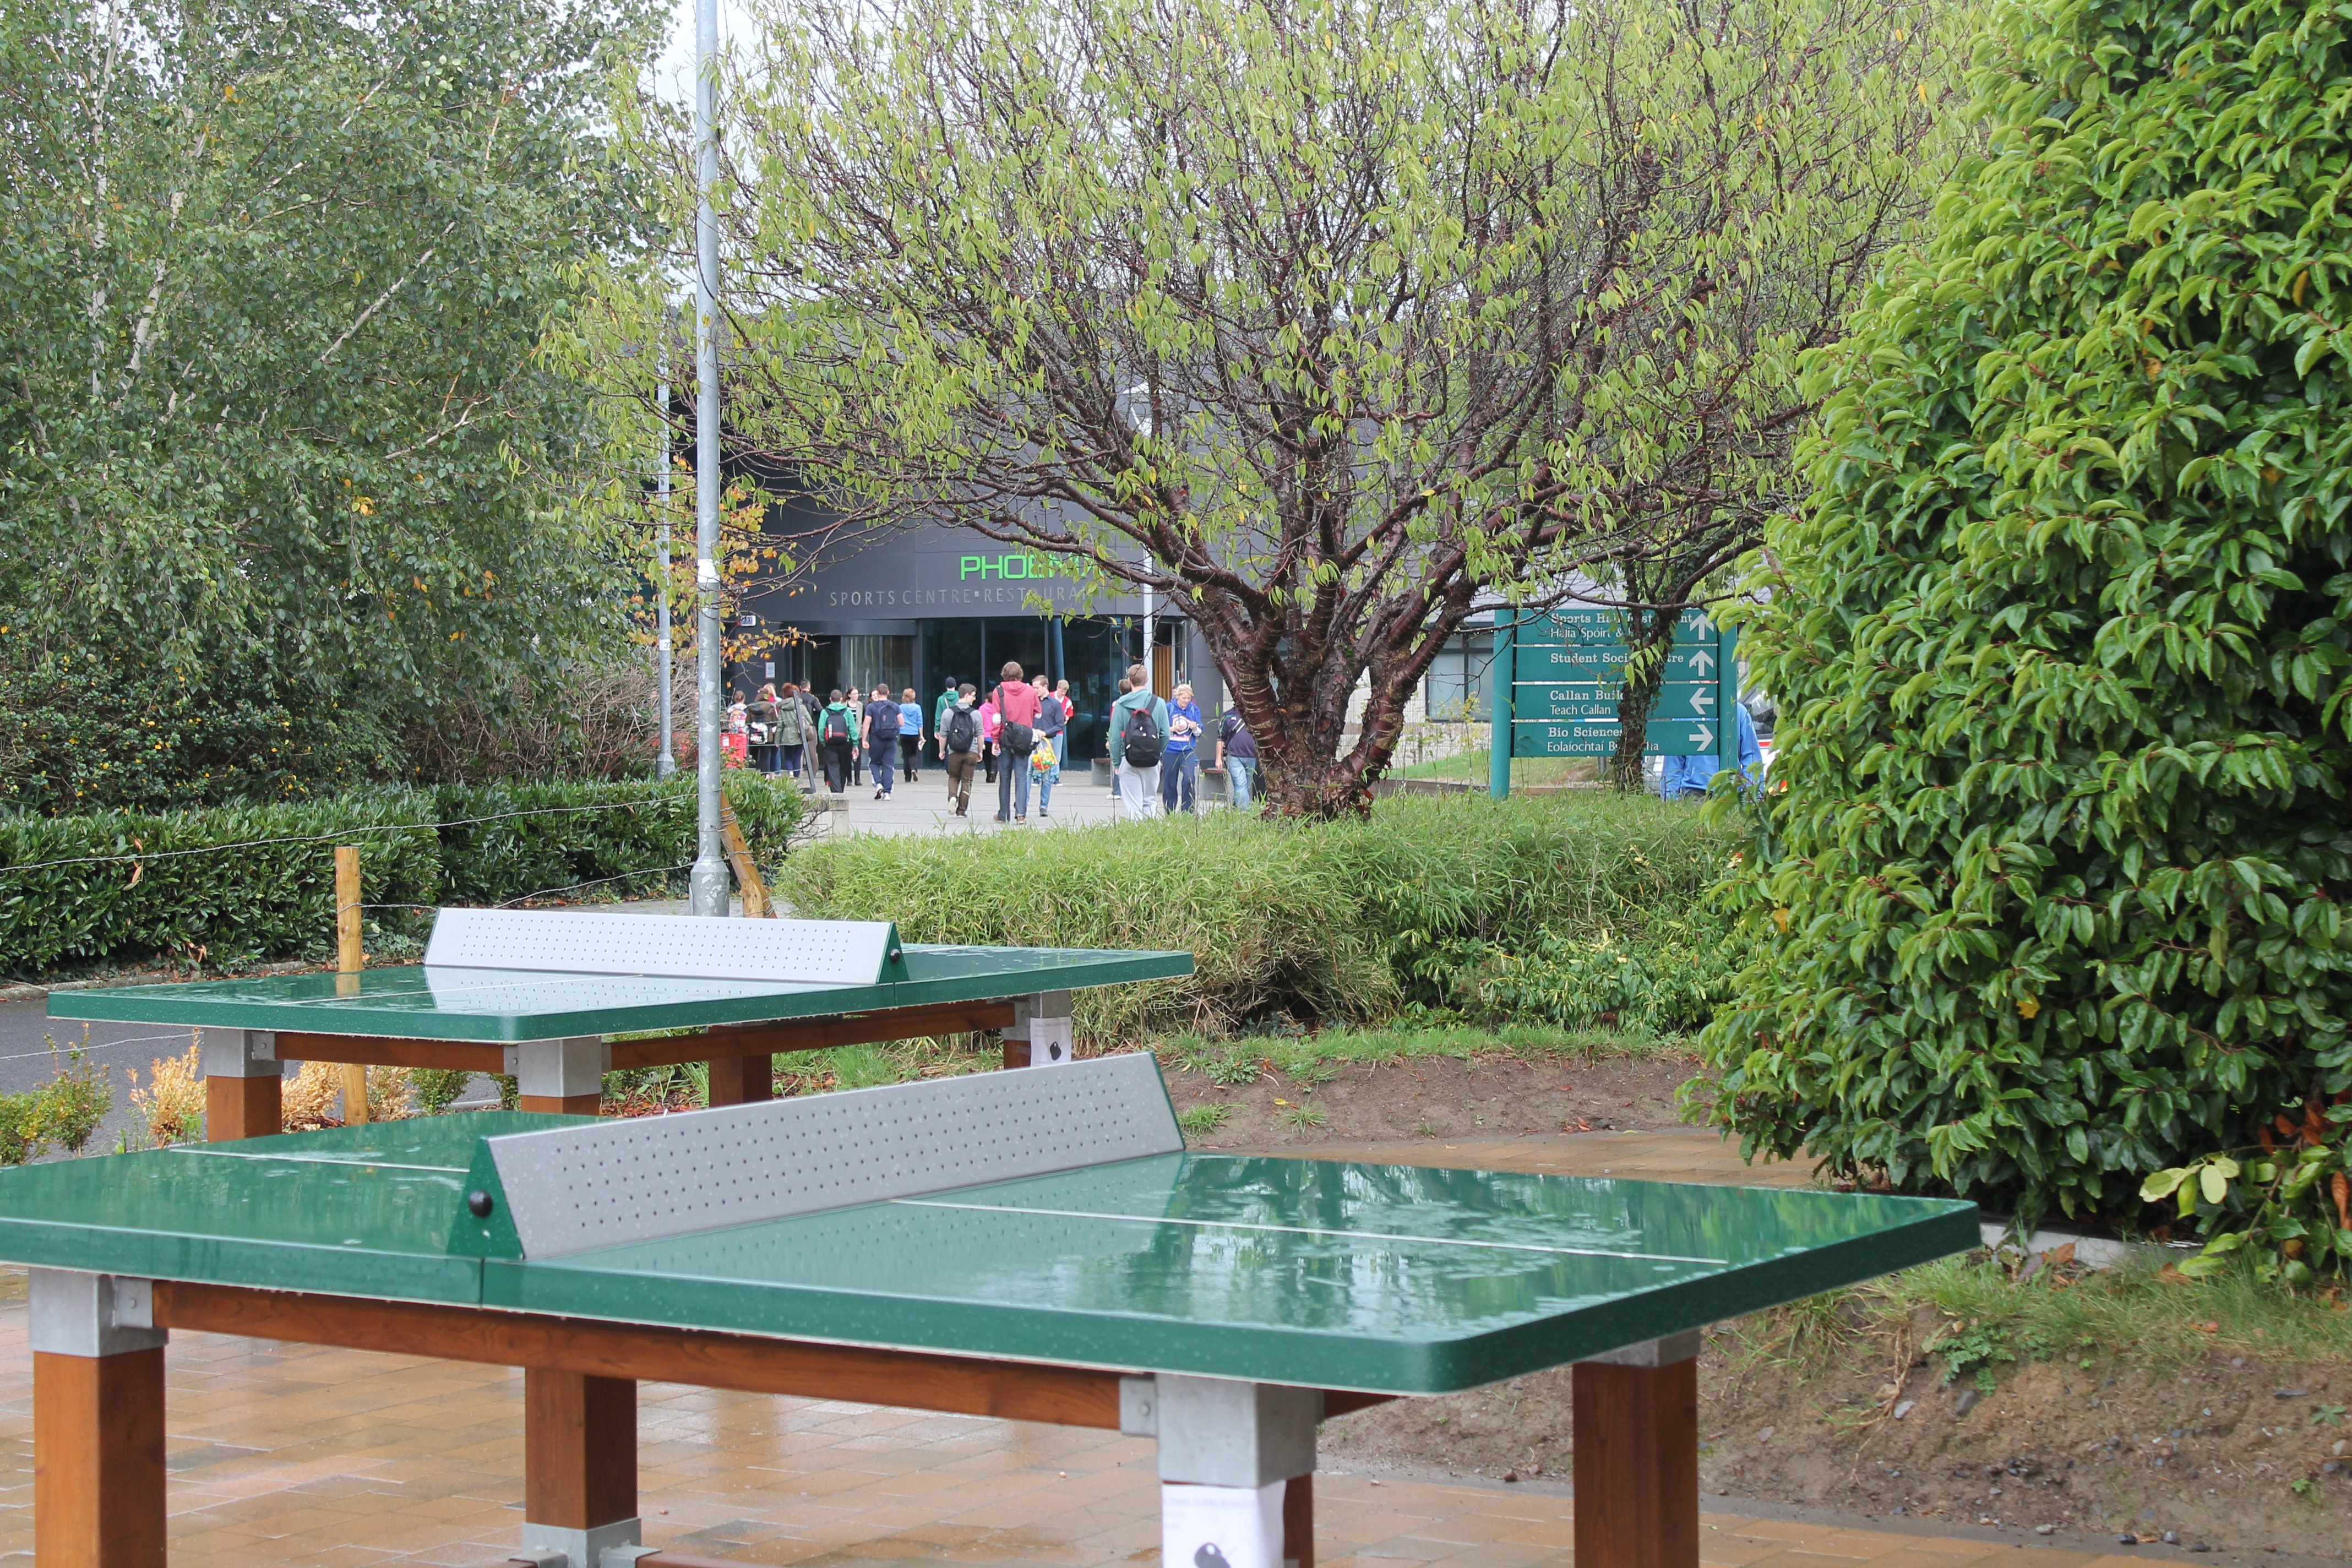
x=1298, y=1522
x=242, y=1108
x=98, y=1458
x=738, y=1080
x=1636, y=1441
x=1016, y=1053
x=580, y=1462
x=562, y=1104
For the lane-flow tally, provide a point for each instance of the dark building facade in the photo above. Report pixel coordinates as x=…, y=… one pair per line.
x=922, y=605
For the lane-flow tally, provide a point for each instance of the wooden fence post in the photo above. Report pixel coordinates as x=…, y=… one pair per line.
x=349, y=959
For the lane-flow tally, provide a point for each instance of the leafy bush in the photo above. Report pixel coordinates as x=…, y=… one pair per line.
x=437, y=1088
x=261, y=881
x=272, y=894
x=79, y=736
x=1326, y=921
x=2062, y=645
x=545, y=837
x=1665, y=982
x=63, y=1112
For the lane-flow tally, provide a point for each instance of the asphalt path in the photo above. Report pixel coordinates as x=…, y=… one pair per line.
x=27, y=1060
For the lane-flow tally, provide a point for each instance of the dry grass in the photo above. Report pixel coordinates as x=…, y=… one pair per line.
x=174, y=1098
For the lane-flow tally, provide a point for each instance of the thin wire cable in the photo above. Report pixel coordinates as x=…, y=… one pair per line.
x=598, y=882
x=327, y=837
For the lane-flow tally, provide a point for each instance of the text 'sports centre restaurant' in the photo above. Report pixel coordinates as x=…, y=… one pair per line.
x=922, y=604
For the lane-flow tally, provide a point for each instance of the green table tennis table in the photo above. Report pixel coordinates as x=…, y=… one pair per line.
x=1038, y=1246
x=540, y=995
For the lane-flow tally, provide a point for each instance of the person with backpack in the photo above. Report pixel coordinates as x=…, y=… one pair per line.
x=1052, y=731
x=960, y=748
x=856, y=702
x=1138, y=737
x=791, y=730
x=1237, y=754
x=879, y=732
x=1016, y=726
x=836, y=738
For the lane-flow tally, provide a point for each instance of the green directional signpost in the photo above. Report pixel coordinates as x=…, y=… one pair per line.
x=1558, y=675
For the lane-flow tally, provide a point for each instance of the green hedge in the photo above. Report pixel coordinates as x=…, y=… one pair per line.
x=1335, y=921
x=275, y=898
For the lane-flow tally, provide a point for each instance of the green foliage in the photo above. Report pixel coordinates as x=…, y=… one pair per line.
x=73, y=1102
x=1329, y=921
x=538, y=837
x=1972, y=1347
x=272, y=894
x=273, y=282
x=63, y=1112
x=1306, y=1058
x=267, y=897
x=2288, y=1206
x=1200, y=1120
x=436, y=1089
x=2063, y=647
x=1525, y=271
x=81, y=735
x=1666, y=981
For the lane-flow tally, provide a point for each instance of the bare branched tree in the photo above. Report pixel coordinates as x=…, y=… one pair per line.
x=1318, y=318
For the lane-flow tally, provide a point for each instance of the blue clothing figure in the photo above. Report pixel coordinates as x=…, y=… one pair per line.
x=1179, y=766
x=1683, y=778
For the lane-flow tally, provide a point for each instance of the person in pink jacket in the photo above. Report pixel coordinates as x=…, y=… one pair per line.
x=1016, y=717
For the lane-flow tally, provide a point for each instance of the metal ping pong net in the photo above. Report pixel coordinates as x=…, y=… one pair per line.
x=535, y=1196
x=803, y=952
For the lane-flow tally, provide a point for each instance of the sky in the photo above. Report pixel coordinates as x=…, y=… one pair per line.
x=674, y=71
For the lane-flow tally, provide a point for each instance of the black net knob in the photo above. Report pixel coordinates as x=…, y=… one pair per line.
x=480, y=1203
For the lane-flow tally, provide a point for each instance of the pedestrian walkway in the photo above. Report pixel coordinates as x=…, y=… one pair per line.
x=922, y=807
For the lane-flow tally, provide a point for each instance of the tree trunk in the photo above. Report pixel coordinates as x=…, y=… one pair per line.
x=1648, y=629
x=1634, y=705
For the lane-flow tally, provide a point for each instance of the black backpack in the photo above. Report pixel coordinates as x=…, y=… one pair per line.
x=1139, y=744
x=1019, y=740
x=837, y=728
x=964, y=730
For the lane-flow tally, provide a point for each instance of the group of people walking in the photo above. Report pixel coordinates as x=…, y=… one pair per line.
x=844, y=736
x=1155, y=748
x=1016, y=734
x=1013, y=735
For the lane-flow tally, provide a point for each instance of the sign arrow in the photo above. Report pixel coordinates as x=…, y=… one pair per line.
x=1702, y=659
x=1703, y=737
x=1702, y=699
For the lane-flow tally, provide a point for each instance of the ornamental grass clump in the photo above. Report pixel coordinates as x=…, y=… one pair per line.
x=2050, y=896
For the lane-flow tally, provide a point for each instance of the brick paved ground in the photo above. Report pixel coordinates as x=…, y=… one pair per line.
x=297, y=1457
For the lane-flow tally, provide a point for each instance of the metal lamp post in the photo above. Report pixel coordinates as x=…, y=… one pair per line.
x=709, y=886
x=666, y=764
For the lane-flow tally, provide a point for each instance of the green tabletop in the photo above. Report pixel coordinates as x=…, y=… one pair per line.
x=1384, y=1278
x=500, y=1005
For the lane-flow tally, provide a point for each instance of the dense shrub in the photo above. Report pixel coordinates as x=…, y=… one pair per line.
x=273, y=895
x=2062, y=648
x=1333, y=921
x=80, y=736
x=537, y=838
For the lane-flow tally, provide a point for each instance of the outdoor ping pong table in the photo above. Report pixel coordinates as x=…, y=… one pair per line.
x=539, y=995
x=1036, y=1245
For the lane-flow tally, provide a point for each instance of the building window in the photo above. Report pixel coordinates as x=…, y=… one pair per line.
x=1455, y=690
